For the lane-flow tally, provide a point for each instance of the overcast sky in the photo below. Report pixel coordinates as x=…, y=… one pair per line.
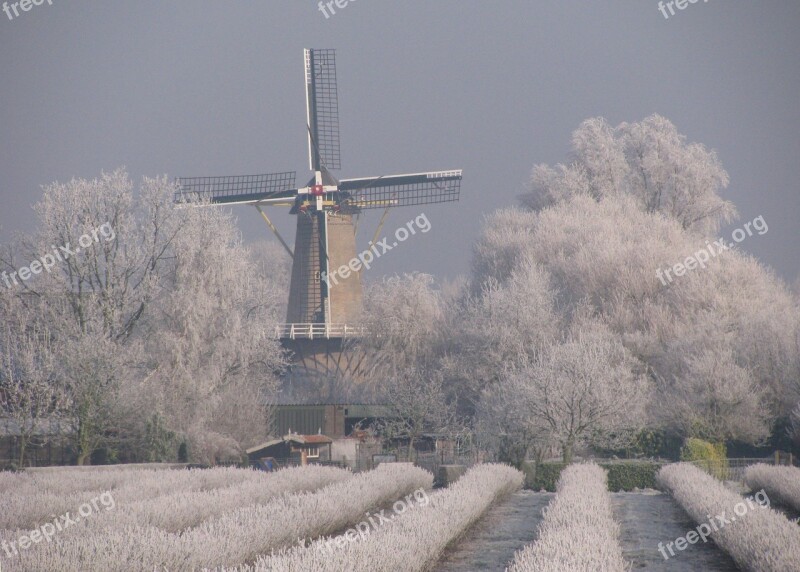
x=204, y=87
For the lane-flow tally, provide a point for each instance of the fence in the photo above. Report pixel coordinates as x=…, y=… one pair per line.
x=734, y=469
x=434, y=460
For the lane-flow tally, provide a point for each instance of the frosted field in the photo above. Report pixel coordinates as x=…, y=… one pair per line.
x=327, y=519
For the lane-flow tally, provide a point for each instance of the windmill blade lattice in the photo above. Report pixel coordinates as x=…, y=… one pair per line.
x=240, y=189
x=322, y=107
x=401, y=190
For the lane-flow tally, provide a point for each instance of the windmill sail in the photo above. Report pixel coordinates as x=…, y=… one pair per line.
x=401, y=190
x=322, y=110
x=243, y=189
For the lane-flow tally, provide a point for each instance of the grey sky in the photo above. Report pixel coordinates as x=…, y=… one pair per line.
x=216, y=88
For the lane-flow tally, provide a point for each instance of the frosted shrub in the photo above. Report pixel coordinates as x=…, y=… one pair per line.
x=578, y=533
x=782, y=484
x=69, y=480
x=38, y=495
x=760, y=539
x=231, y=539
x=411, y=541
x=176, y=511
x=180, y=510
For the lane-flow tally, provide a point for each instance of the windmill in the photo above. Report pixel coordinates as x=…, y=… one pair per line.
x=320, y=316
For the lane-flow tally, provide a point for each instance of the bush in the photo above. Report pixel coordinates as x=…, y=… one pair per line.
x=578, y=531
x=698, y=450
x=545, y=476
x=631, y=475
x=763, y=540
x=183, y=452
x=709, y=456
x=227, y=539
x=647, y=444
x=782, y=484
x=414, y=540
x=622, y=476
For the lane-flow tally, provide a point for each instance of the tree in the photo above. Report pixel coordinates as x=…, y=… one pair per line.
x=634, y=200
x=584, y=391
x=505, y=426
x=211, y=339
x=716, y=399
x=29, y=393
x=500, y=330
x=793, y=429
x=404, y=315
x=649, y=161
x=417, y=404
x=163, y=312
x=93, y=369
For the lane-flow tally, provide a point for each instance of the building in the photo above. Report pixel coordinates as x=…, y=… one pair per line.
x=336, y=420
x=359, y=451
x=293, y=449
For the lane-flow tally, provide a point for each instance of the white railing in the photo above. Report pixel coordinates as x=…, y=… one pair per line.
x=318, y=331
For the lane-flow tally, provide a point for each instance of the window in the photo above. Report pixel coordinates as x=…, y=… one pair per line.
x=312, y=453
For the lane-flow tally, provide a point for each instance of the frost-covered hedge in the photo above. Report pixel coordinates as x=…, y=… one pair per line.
x=578, y=533
x=66, y=480
x=186, y=509
x=412, y=541
x=234, y=538
x=782, y=484
x=622, y=475
x=758, y=539
x=177, y=511
x=33, y=496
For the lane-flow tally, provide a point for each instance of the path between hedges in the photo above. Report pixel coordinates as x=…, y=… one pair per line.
x=651, y=517
x=506, y=527
x=645, y=520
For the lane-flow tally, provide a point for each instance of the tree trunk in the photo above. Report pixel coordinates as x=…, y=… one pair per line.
x=23, y=444
x=567, y=450
x=84, y=442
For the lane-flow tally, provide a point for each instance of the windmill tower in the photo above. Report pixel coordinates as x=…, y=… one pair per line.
x=321, y=316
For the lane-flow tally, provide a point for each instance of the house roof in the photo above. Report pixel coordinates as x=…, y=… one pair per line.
x=294, y=438
x=264, y=445
x=317, y=439
x=308, y=439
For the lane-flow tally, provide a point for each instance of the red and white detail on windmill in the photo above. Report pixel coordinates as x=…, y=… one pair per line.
x=317, y=190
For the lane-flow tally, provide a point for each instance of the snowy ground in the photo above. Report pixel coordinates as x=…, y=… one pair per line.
x=491, y=543
x=652, y=517
x=645, y=518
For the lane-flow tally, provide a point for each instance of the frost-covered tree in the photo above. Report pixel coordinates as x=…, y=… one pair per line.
x=96, y=291
x=405, y=346
x=649, y=161
x=637, y=199
x=93, y=369
x=793, y=429
x=212, y=336
x=404, y=315
x=716, y=399
x=501, y=329
x=30, y=395
x=506, y=428
x=416, y=404
x=585, y=390
x=164, y=319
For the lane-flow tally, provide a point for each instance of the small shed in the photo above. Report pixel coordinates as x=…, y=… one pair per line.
x=294, y=448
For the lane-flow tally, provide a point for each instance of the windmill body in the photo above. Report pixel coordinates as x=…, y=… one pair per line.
x=321, y=316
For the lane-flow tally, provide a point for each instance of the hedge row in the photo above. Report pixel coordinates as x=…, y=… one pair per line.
x=622, y=476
